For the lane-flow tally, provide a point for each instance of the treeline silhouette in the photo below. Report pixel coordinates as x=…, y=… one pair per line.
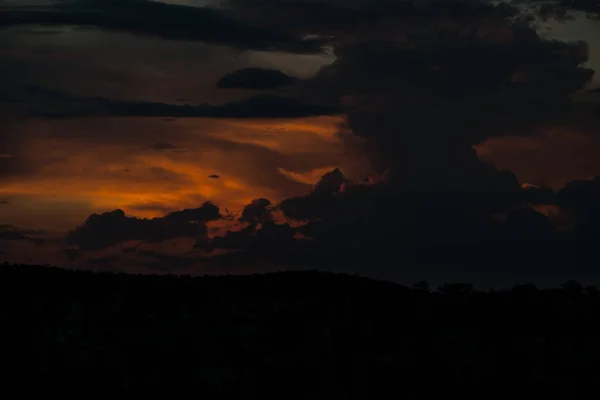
x=293, y=335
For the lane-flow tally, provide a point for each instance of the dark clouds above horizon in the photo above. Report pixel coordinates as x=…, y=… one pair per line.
x=103, y=109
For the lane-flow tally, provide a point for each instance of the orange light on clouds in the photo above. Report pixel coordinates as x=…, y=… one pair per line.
x=310, y=178
x=99, y=165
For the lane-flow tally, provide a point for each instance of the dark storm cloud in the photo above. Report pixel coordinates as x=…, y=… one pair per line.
x=52, y=104
x=361, y=228
x=208, y=212
x=539, y=195
x=255, y=78
x=475, y=90
x=104, y=230
x=527, y=224
x=582, y=197
x=420, y=86
x=270, y=242
x=258, y=211
x=418, y=105
x=166, y=21
x=422, y=82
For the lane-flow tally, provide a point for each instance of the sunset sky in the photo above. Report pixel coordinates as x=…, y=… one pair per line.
x=117, y=104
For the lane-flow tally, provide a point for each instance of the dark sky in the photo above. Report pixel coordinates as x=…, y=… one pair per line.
x=432, y=110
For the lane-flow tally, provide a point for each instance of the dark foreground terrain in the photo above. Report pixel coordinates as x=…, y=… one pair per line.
x=294, y=335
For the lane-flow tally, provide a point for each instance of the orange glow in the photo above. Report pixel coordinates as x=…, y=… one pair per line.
x=546, y=158
x=310, y=178
x=89, y=165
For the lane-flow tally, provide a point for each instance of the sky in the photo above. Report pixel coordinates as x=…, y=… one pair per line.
x=340, y=113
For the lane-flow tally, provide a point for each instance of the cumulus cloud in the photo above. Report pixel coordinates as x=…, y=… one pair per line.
x=469, y=92
x=258, y=211
x=270, y=242
x=108, y=229
x=420, y=84
x=478, y=70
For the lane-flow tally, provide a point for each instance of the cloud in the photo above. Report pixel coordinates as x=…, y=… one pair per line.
x=208, y=212
x=317, y=203
x=261, y=106
x=471, y=98
x=456, y=60
x=547, y=158
x=255, y=78
x=369, y=18
x=258, y=211
x=356, y=226
x=269, y=242
x=539, y=195
x=104, y=230
x=88, y=158
x=362, y=19
x=13, y=233
x=421, y=85
x=155, y=19
x=159, y=146
x=582, y=198
x=528, y=224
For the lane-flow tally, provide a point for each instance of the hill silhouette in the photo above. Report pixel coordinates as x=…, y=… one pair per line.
x=292, y=335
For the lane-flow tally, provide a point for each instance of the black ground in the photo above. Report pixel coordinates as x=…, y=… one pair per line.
x=292, y=335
